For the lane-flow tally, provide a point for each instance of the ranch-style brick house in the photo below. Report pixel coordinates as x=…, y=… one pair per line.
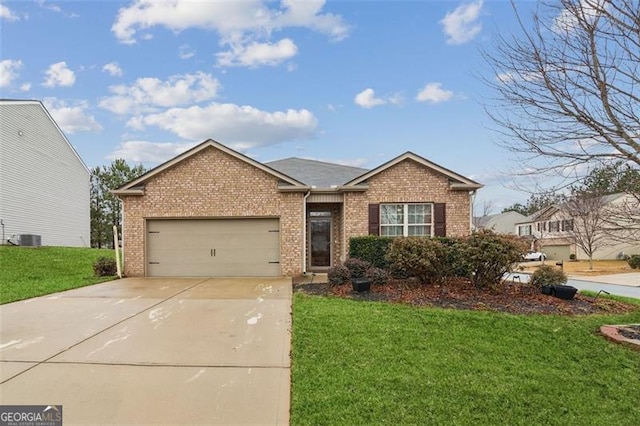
x=212, y=211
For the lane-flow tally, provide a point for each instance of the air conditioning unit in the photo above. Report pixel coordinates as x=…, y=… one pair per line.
x=30, y=240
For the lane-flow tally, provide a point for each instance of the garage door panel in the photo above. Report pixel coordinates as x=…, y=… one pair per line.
x=220, y=247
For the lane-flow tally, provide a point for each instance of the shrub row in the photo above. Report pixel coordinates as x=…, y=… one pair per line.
x=634, y=261
x=484, y=257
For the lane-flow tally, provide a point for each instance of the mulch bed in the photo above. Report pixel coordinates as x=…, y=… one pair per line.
x=461, y=294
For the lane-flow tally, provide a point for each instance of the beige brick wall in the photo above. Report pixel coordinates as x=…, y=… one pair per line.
x=213, y=184
x=407, y=182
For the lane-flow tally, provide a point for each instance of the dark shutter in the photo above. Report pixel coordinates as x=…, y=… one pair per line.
x=440, y=219
x=374, y=219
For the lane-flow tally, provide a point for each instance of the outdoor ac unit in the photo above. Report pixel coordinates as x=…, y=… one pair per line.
x=30, y=240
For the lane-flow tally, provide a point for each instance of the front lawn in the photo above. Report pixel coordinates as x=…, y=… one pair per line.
x=380, y=363
x=28, y=272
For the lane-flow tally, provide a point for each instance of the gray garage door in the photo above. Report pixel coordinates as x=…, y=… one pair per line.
x=213, y=248
x=557, y=252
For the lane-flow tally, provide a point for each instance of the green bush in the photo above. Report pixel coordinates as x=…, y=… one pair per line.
x=488, y=256
x=338, y=275
x=423, y=258
x=357, y=267
x=572, y=256
x=634, y=261
x=377, y=275
x=455, y=262
x=547, y=275
x=105, y=267
x=371, y=248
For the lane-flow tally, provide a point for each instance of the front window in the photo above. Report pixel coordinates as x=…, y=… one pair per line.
x=397, y=220
x=567, y=225
x=554, y=226
x=524, y=230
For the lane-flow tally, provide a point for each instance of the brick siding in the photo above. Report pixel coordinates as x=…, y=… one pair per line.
x=407, y=182
x=213, y=184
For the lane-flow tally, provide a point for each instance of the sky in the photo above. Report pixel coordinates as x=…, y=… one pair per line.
x=350, y=82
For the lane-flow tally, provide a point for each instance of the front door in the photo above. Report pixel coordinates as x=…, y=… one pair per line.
x=320, y=241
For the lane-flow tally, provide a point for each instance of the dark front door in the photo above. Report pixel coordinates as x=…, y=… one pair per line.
x=320, y=241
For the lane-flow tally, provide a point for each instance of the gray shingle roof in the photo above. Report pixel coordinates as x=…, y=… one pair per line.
x=316, y=173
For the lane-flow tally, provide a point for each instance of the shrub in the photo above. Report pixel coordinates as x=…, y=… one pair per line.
x=455, y=262
x=371, y=248
x=634, y=261
x=338, y=275
x=547, y=275
x=423, y=258
x=377, y=275
x=104, y=267
x=572, y=256
x=357, y=267
x=488, y=256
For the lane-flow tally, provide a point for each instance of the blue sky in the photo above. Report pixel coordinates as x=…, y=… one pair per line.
x=353, y=82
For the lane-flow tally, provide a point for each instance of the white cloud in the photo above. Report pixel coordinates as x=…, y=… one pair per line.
x=241, y=127
x=25, y=87
x=244, y=27
x=148, y=94
x=9, y=71
x=586, y=10
x=72, y=118
x=434, y=93
x=461, y=25
x=59, y=74
x=148, y=152
x=256, y=54
x=367, y=99
x=186, y=52
x=113, y=69
x=227, y=18
x=7, y=14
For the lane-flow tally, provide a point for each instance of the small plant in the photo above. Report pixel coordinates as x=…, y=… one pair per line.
x=572, y=257
x=104, y=267
x=377, y=276
x=357, y=268
x=338, y=275
x=634, y=261
x=547, y=275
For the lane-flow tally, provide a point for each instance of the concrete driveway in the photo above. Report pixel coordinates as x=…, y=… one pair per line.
x=136, y=351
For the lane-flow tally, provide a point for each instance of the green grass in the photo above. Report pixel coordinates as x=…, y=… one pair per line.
x=28, y=272
x=378, y=363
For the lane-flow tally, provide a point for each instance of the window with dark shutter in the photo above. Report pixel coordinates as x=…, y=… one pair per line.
x=374, y=219
x=440, y=219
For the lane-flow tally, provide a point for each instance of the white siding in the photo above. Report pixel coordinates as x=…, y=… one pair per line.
x=44, y=185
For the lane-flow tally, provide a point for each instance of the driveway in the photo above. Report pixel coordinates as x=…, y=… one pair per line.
x=173, y=351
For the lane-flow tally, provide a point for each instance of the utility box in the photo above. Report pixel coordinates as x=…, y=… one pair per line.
x=30, y=240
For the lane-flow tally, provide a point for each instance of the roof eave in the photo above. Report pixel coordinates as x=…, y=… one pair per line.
x=465, y=186
x=125, y=192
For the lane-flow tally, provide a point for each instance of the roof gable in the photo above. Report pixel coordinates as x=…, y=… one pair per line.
x=133, y=187
x=457, y=181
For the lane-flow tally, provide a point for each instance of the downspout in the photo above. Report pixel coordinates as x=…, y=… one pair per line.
x=304, y=232
x=472, y=200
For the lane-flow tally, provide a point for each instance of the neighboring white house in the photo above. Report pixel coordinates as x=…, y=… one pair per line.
x=503, y=223
x=44, y=184
x=551, y=230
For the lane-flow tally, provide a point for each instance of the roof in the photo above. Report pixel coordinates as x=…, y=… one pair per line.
x=9, y=102
x=547, y=212
x=318, y=174
x=297, y=174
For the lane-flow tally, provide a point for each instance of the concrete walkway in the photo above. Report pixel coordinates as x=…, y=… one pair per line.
x=140, y=351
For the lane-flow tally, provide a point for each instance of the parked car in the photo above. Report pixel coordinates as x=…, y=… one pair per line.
x=534, y=255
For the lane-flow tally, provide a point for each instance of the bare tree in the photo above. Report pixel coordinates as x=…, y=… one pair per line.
x=568, y=90
x=588, y=212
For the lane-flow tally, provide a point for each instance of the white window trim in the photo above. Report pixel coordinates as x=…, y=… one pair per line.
x=405, y=218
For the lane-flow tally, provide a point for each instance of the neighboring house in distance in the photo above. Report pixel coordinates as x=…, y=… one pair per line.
x=551, y=230
x=212, y=211
x=44, y=185
x=502, y=223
